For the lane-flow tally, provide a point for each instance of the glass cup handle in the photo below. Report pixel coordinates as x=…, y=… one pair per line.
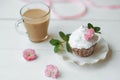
x=20, y=27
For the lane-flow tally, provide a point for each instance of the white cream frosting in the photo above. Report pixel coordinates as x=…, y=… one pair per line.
x=77, y=39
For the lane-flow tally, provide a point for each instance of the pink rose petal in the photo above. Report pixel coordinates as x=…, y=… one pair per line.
x=90, y=31
x=51, y=71
x=87, y=37
x=29, y=54
x=89, y=34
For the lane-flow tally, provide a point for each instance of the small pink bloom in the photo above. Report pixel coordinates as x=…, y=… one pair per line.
x=87, y=37
x=51, y=71
x=89, y=34
x=29, y=54
x=90, y=31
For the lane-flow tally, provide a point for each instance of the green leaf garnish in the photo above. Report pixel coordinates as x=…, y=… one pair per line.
x=63, y=36
x=68, y=47
x=99, y=32
x=56, y=48
x=96, y=29
x=90, y=26
x=58, y=44
x=55, y=42
x=68, y=35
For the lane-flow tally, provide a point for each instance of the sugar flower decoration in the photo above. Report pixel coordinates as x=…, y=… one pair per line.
x=89, y=34
x=51, y=71
x=29, y=54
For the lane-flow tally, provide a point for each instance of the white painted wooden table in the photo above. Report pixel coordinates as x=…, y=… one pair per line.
x=12, y=44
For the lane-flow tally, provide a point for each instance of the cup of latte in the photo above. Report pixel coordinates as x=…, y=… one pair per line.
x=35, y=18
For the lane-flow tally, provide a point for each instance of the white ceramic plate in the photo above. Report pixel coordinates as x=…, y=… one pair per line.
x=100, y=53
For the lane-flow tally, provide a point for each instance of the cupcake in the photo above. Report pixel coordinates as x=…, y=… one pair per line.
x=83, y=40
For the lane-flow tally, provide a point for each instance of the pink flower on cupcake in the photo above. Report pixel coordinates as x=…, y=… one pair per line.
x=51, y=71
x=29, y=54
x=89, y=34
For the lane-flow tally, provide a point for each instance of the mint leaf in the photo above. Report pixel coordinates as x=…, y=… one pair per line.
x=68, y=47
x=63, y=36
x=55, y=42
x=90, y=26
x=96, y=29
x=99, y=32
x=68, y=35
x=56, y=48
x=58, y=44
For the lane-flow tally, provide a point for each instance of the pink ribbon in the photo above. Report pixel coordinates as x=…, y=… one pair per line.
x=73, y=16
x=101, y=6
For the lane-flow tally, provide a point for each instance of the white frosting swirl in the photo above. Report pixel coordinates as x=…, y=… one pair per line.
x=77, y=39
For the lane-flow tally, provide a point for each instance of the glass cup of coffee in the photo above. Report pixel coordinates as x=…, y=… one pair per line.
x=35, y=18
